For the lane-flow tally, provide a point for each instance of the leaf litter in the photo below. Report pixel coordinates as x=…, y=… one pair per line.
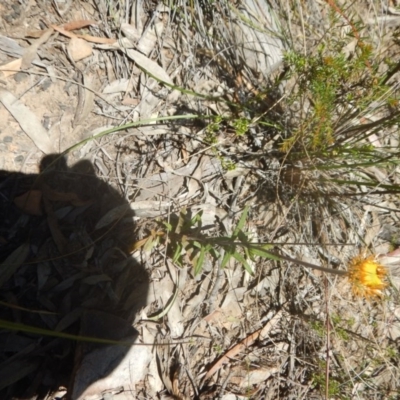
x=216, y=333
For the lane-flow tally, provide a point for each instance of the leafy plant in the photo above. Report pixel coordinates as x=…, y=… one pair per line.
x=186, y=243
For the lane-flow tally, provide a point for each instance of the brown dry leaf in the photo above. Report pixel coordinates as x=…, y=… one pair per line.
x=28, y=121
x=100, y=40
x=59, y=239
x=69, y=197
x=11, y=68
x=30, y=52
x=30, y=202
x=79, y=24
x=246, y=379
x=88, y=99
x=78, y=49
x=34, y=34
x=88, y=38
x=64, y=31
x=241, y=346
x=13, y=49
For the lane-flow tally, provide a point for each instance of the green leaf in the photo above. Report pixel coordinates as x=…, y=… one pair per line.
x=197, y=244
x=177, y=253
x=150, y=243
x=261, y=252
x=243, y=261
x=168, y=226
x=199, y=261
x=241, y=223
x=243, y=237
x=181, y=221
x=214, y=253
x=196, y=218
x=227, y=256
x=15, y=326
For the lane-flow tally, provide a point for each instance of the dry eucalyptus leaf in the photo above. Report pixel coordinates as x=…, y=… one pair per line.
x=13, y=49
x=30, y=52
x=78, y=49
x=113, y=215
x=86, y=100
x=149, y=66
x=28, y=121
x=30, y=202
x=11, y=68
x=92, y=380
x=95, y=39
x=116, y=86
x=13, y=262
x=82, y=23
x=147, y=41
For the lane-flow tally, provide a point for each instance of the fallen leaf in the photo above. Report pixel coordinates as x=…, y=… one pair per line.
x=36, y=34
x=11, y=68
x=68, y=197
x=112, y=216
x=63, y=31
x=78, y=49
x=241, y=346
x=13, y=262
x=95, y=39
x=85, y=98
x=30, y=52
x=30, y=202
x=82, y=23
x=148, y=66
x=116, y=86
x=59, y=239
x=88, y=38
x=28, y=121
x=13, y=49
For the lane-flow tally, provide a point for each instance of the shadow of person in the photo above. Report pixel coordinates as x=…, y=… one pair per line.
x=65, y=238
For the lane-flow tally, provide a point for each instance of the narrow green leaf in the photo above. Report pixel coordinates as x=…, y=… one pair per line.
x=148, y=246
x=227, y=256
x=181, y=221
x=261, y=252
x=198, y=265
x=168, y=226
x=177, y=253
x=243, y=261
x=243, y=237
x=13, y=326
x=197, y=244
x=241, y=223
x=196, y=218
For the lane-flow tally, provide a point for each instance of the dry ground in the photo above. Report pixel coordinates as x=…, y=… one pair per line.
x=74, y=69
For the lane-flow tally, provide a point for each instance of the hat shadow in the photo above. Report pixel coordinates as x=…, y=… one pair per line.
x=65, y=268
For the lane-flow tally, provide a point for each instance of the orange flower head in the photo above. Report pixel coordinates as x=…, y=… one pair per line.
x=367, y=276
